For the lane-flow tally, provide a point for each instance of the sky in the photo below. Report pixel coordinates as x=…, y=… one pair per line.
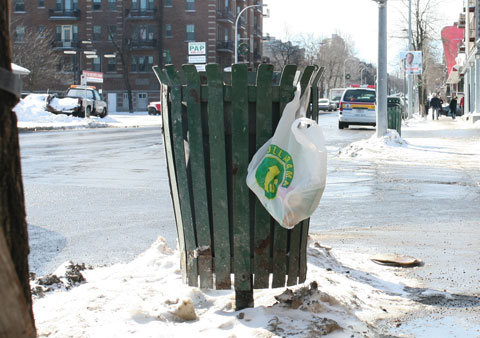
x=355, y=18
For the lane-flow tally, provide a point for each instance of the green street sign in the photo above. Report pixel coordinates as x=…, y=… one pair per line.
x=243, y=48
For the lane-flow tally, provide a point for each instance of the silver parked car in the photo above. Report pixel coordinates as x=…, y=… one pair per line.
x=326, y=104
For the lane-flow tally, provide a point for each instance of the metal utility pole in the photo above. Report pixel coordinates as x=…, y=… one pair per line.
x=381, y=106
x=410, y=76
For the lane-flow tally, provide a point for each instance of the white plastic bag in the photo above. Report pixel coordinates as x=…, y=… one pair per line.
x=288, y=172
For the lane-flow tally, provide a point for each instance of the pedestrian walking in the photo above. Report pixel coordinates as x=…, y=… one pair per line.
x=461, y=104
x=436, y=105
x=453, y=107
x=427, y=107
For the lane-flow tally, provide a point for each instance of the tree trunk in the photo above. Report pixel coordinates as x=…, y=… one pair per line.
x=15, y=314
x=13, y=226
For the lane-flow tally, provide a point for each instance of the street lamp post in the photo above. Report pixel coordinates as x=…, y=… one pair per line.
x=381, y=106
x=78, y=59
x=236, y=27
x=410, y=79
x=361, y=76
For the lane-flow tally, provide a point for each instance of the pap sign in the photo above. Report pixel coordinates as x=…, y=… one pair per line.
x=197, y=48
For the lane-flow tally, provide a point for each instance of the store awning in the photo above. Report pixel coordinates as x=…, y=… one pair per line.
x=453, y=77
x=16, y=69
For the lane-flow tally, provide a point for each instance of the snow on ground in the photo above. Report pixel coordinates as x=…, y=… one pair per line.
x=344, y=295
x=31, y=115
x=441, y=142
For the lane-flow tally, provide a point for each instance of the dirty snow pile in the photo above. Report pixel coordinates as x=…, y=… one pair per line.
x=31, y=115
x=344, y=295
x=371, y=147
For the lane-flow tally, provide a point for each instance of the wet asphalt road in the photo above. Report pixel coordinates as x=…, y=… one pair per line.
x=98, y=196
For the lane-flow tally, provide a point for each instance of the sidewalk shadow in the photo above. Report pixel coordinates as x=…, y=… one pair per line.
x=420, y=295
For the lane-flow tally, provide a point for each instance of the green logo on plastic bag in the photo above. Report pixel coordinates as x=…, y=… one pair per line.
x=275, y=170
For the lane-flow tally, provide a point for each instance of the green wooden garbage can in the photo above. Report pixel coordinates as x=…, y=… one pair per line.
x=213, y=124
x=394, y=116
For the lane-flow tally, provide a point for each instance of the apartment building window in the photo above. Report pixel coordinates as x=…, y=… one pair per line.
x=19, y=34
x=168, y=3
x=190, y=5
x=97, y=33
x=66, y=33
x=97, y=5
x=65, y=63
x=41, y=3
x=227, y=33
x=142, y=5
x=190, y=30
x=112, y=5
x=143, y=32
x=19, y=5
x=168, y=30
x=112, y=31
x=141, y=63
x=111, y=65
x=66, y=5
x=167, y=56
x=97, y=64
x=227, y=5
x=41, y=31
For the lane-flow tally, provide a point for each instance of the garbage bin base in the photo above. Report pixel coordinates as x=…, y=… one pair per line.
x=243, y=299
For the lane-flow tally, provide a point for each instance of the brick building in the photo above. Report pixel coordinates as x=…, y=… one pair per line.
x=97, y=35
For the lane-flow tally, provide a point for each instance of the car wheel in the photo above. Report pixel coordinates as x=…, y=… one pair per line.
x=104, y=113
x=151, y=111
x=82, y=112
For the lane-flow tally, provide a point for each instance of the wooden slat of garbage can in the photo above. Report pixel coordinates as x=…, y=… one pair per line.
x=240, y=192
x=181, y=171
x=218, y=176
x=314, y=94
x=196, y=165
x=306, y=78
x=280, y=234
x=296, y=232
x=302, y=275
x=167, y=139
x=262, y=245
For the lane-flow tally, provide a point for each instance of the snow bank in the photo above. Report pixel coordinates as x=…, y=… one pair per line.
x=372, y=146
x=31, y=115
x=146, y=298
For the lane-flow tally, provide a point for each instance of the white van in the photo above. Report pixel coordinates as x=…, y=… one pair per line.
x=357, y=107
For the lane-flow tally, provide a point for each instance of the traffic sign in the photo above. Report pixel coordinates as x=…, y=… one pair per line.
x=197, y=59
x=93, y=77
